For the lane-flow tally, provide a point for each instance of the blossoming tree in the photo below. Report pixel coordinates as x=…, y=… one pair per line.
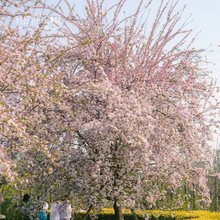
x=122, y=109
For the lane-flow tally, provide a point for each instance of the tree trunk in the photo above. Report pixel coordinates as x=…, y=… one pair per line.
x=134, y=214
x=87, y=213
x=118, y=212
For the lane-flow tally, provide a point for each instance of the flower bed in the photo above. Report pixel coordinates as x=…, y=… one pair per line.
x=160, y=214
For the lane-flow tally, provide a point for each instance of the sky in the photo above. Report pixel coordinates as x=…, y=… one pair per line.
x=206, y=20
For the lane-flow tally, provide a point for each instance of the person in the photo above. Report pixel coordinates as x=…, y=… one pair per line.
x=65, y=211
x=54, y=211
x=25, y=207
x=42, y=214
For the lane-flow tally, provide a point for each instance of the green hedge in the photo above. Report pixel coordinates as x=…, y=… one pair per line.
x=11, y=211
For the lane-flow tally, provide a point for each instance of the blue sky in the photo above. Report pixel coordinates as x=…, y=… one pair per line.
x=206, y=18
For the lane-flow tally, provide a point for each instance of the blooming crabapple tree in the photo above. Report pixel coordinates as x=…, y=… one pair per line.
x=32, y=95
x=29, y=88
x=142, y=114
x=120, y=112
x=6, y=122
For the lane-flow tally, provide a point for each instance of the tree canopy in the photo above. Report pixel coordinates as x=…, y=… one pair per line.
x=106, y=110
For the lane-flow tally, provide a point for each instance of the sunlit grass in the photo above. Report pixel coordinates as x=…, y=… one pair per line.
x=198, y=215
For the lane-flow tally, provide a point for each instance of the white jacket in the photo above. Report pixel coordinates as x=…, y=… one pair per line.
x=54, y=211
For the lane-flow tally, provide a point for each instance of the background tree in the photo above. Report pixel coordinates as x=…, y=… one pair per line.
x=29, y=91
